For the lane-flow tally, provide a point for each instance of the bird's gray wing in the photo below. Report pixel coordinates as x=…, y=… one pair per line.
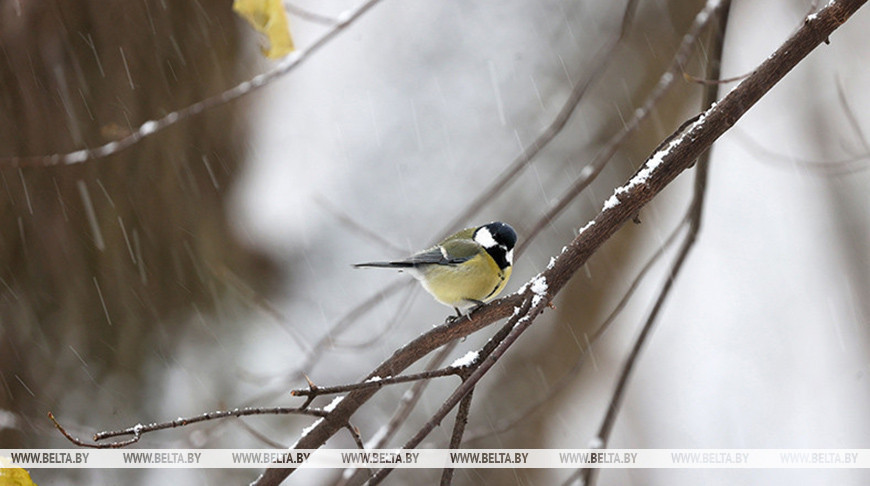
x=452, y=253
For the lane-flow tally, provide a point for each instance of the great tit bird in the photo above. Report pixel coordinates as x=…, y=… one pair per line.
x=464, y=270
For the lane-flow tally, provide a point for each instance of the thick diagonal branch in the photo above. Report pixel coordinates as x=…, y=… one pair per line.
x=675, y=156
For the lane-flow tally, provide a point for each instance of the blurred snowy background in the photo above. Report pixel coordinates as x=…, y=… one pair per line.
x=198, y=269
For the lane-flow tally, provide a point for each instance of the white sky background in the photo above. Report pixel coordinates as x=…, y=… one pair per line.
x=411, y=112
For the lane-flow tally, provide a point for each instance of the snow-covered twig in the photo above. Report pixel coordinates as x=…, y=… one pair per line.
x=665, y=82
x=150, y=127
x=696, y=210
x=664, y=166
x=138, y=430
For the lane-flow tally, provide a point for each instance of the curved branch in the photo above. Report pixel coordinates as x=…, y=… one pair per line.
x=562, y=383
x=138, y=430
x=400, y=415
x=696, y=209
x=602, y=59
x=150, y=127
x=593, y=168
x=308, y=15
x=660, y=169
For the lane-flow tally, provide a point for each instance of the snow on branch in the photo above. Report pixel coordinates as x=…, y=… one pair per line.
x=150, y=127
x=674, y=156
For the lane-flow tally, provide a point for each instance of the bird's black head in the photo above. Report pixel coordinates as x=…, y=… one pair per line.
x=498, y=239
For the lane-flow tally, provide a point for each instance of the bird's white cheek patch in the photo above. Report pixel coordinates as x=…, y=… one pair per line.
x=509, y=256
x=484, y=237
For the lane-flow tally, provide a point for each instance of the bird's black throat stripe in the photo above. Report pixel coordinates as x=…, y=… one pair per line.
x=499, y=254
x=495, y=289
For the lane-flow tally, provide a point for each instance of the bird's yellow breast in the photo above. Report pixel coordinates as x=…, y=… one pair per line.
x=464, y=285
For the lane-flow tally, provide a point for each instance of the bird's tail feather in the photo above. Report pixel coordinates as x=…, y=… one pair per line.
x=384, y=265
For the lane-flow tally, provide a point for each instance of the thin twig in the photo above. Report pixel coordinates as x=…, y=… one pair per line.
x=138, y=430
x=850, y=115
x=824, y=168
x=358, y=228
x=309, y=15
x=357, y=438
x=515, y=326
x=402, y=310
x=352, y=316
x=458, y=431
x=603, y=58
x=150, y=127
x=219, y=414
x=316, y=391
x=327, y=340
x=79, y=442
x=257, y=301
x=568, y=377
x=260, y=436
x=589, y=475
x=406, y=404
x=660, y=169
x=591, y=171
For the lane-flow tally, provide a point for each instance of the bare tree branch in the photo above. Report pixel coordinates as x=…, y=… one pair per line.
x=850, y=115
x=316, y=391
x=543, y=139
x=560, y=384
x=138, y=430
x=824, y=167
x=533, y=305
x=150, y=127
x=308, y=15
x=260, y=436
x=458, y=431
x=593, y=168
x=658, y=171
x=315, y=354
x=406, y=404
x=555, y=127
x=696, y=209
x=357, y=227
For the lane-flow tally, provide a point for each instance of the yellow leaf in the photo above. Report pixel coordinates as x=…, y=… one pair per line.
x=270, y=19
x=13, y=476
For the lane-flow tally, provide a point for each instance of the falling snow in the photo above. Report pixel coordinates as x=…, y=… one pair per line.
x=91, y=214
x=374, y=116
